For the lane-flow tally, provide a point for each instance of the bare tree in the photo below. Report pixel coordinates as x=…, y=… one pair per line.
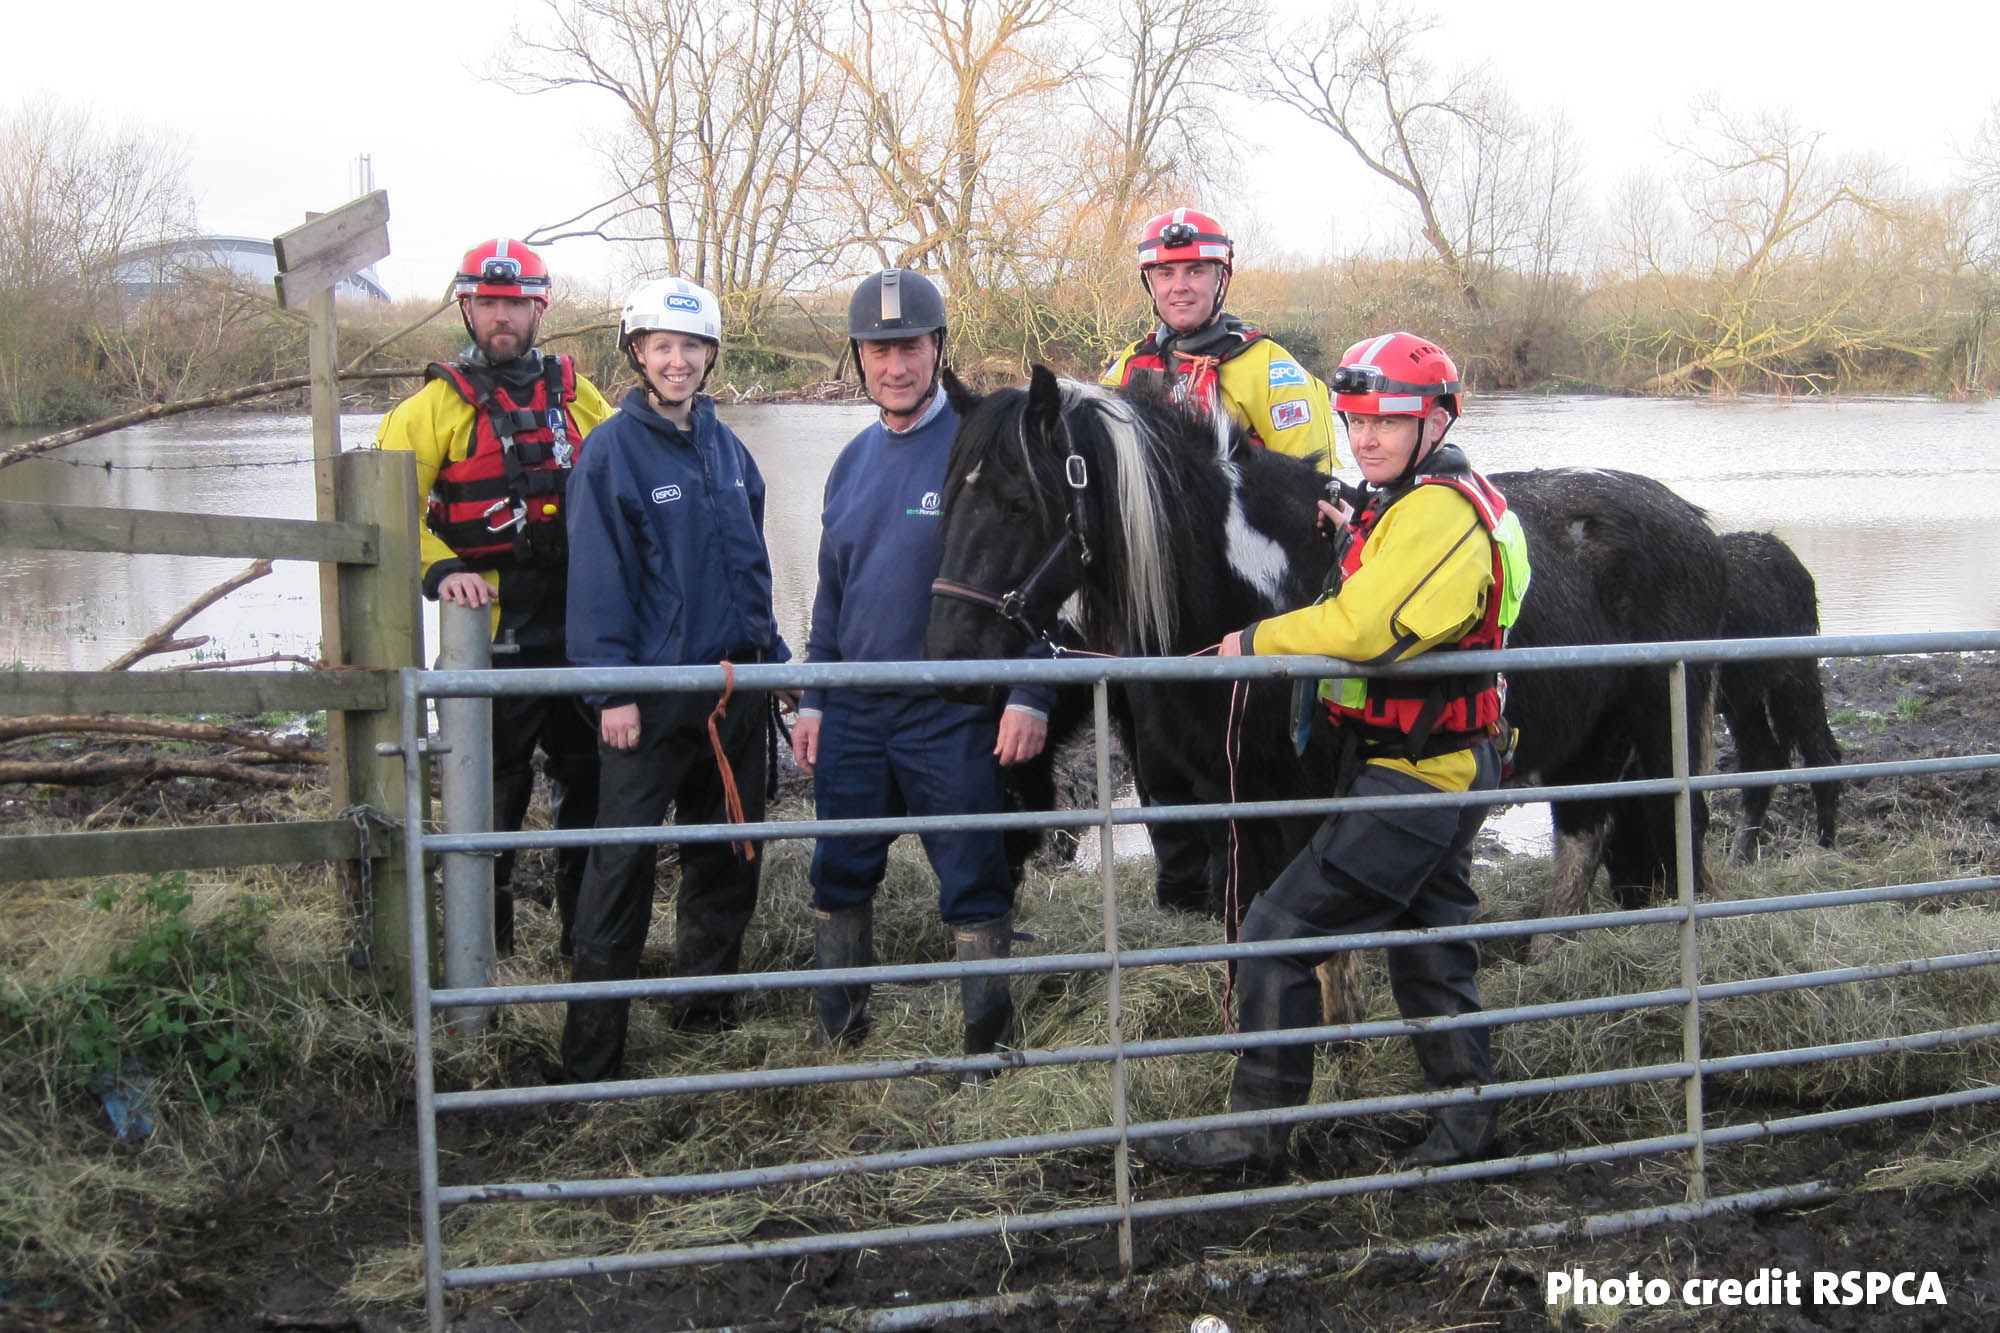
x=1168, y=71
x=726, y=113
x=1767, y=261
x=1151, y=133
x=1488, y=184
x=1980, y=251
x=946, y=160
x=74, y=198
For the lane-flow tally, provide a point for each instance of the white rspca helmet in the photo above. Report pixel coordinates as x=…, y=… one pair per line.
x=671, y=303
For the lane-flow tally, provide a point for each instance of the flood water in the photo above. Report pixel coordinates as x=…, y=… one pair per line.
x=1890, y=503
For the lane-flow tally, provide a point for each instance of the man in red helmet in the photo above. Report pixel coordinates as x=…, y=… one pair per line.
x=495, y=434
x=1213, y=362
x=1437, y=563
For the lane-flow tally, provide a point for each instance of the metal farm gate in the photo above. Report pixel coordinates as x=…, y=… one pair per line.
x=1683, y=1152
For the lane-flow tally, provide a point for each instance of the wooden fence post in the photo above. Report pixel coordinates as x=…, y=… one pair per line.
x=312, y=260
x=381, y=626
x=322, y=361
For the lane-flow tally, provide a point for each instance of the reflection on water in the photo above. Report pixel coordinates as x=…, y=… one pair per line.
x=1888, y=502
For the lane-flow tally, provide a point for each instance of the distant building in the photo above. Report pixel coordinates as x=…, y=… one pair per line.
x=150, y=270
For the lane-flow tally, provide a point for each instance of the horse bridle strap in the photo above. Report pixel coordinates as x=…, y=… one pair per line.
x=1077, y=473
x=1008, y=605
x=1012, y=606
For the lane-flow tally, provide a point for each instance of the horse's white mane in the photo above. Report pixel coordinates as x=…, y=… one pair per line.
x=1147, y=600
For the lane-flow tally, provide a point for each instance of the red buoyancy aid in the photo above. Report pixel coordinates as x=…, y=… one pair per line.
x=504, y=500
x=1196, y=375
x=1419, y=718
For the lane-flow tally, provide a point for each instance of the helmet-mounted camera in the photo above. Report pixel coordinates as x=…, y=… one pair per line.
x=1424, y=377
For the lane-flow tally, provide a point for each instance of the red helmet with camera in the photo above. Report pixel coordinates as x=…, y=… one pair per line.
x=1184, y=233
x=1395, y=375
x=502, y=267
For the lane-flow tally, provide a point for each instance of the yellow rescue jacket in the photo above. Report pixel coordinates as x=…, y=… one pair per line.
x=437, y=425
x=1265, y=390
x=1425, y=573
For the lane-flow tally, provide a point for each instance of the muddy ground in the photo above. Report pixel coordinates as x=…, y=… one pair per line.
x=1276, y=1269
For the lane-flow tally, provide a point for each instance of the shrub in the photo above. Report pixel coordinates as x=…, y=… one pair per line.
x=169, y=1000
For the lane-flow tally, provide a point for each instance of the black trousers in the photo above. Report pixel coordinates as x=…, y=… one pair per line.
x=563, y=727
x=1367, y=871
x=673, y=764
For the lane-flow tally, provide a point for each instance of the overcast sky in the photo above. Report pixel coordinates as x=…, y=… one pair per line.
x=274, y=105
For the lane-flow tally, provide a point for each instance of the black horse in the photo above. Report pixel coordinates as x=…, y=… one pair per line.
x=1170, y=532
x=1774, y=707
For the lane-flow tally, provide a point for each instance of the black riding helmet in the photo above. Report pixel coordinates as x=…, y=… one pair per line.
x=895, y=303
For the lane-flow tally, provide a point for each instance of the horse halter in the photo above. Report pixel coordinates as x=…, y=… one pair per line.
x=1012, y=606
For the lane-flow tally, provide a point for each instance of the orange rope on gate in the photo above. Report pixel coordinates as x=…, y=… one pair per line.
x=732, y=799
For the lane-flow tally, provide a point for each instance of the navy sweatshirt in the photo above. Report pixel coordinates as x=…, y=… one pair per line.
x=879, y=549
x=667, y=564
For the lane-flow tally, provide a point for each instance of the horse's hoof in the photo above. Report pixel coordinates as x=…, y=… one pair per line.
x=1541, y=947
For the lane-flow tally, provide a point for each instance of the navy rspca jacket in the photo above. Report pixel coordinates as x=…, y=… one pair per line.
x=667, y=564
x=879, y=550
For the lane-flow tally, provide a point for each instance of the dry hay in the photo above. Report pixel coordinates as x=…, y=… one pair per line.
x=74, y=1211
x=1064, y=914
x=1604, y=962
x=82, y=1210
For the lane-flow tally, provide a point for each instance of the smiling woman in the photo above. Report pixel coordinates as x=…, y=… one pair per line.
x=658, y=582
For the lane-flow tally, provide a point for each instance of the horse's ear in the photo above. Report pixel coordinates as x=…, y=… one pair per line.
x=962, y=399
x=1044, y=400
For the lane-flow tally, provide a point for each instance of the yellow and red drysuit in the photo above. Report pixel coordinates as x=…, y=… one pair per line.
x=1438, y=565
x=1282, y=405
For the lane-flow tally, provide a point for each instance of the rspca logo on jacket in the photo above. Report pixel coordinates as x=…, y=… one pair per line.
x=1292, y=412
x=931, y=506
x=1287, y=372
x=666, y=494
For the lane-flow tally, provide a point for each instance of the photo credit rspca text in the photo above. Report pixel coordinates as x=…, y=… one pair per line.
x=1767, y=1287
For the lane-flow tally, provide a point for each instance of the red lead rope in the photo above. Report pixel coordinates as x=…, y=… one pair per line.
x=732, y=799
x=1232, y=909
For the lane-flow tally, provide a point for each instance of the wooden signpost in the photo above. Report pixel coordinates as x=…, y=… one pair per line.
x=383, y=631
x=312, y=260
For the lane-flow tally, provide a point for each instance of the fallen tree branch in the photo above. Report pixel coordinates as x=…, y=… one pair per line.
x=265, y=660
x=162, y=640
x=579, y=330
x=171, y=729
x=403, y=332
x=96, y=770
x=220, y=398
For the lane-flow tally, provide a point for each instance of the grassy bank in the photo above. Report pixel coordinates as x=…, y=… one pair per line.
x=279, y=1093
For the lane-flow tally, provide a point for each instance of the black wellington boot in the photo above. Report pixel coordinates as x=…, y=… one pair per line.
x=704, y=947
x=1458, y=1134
x=988, y=1003
x=1245, y=1153
x=593, y=1037
x=503, y=921
x=844, y=937
x=1456, y=1058
x=569, y=884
